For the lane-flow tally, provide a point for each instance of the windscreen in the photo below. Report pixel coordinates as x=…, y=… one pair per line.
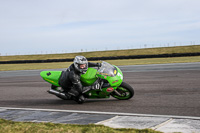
x=107, y=69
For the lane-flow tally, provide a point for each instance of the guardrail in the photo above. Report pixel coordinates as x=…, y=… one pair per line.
x=103, y=58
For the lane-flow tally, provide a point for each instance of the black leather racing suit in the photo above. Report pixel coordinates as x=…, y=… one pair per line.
x=70, y=79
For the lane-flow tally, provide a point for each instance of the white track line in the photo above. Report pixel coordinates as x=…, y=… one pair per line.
x=105, y=113
x=102, y=122
x=162, y=124
x=2, y=110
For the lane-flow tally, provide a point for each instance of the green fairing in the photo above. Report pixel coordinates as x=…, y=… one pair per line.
x=51, y=77
x=89, y=77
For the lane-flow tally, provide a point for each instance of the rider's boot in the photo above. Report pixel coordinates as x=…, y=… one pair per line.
x=80, y=99
x=76, y=96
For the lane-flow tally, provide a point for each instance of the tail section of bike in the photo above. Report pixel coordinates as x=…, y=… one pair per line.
x=51, y=76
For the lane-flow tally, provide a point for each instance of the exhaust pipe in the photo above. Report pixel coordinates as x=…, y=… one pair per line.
x=59, y=94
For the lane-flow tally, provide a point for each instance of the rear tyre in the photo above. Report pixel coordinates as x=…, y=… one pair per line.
x=123, y=92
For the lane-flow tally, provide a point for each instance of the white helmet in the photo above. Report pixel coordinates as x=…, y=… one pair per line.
x=81, y=64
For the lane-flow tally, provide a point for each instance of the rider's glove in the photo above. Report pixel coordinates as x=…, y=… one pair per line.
x=99, y=64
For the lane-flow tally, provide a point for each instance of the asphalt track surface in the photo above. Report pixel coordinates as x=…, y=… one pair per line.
x=168, y=89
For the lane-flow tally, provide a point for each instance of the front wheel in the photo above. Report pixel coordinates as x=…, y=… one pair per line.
x=123, y=92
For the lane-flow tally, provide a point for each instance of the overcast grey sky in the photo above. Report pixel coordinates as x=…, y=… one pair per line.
x=30, y=26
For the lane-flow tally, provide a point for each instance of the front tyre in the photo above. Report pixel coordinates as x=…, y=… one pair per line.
x=123, y=92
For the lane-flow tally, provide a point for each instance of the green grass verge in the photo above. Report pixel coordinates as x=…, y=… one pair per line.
x=31, y=66
x=30, y=127
x=148, y=51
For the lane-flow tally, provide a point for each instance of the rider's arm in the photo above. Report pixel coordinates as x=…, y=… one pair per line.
x=75, y=79
x=91, y=64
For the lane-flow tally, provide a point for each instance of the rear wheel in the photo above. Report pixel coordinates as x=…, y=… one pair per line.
x=123, y=92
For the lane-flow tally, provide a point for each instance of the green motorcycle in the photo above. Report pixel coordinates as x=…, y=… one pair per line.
x=110, y=78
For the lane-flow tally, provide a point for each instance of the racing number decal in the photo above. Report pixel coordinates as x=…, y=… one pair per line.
x=48, y=74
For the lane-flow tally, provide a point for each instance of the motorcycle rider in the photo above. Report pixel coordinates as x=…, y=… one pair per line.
x=70, y=79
